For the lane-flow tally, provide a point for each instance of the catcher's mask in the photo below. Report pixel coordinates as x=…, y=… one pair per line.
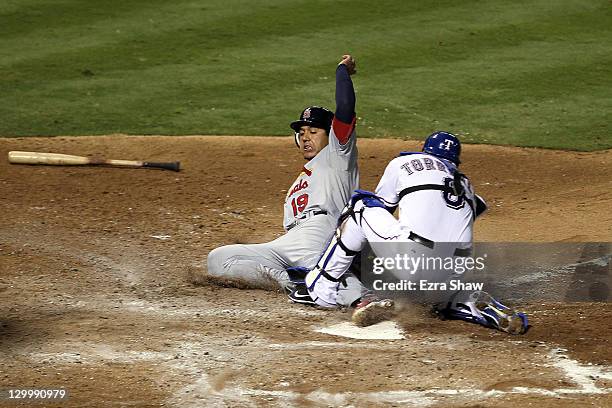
x=314, y=116
x=444, y=145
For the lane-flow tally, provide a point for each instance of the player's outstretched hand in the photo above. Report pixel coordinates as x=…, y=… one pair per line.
x=349, y=61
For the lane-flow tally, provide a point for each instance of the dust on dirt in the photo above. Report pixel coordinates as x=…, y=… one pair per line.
x=97, y=265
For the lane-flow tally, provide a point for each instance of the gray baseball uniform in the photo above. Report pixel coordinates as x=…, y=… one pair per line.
x=312, y=206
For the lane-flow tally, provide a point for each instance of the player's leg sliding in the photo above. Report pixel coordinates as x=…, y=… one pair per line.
x=480, y=307
x=253, y=266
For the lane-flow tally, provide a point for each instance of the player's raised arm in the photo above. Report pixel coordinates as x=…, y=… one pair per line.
x=344, y=120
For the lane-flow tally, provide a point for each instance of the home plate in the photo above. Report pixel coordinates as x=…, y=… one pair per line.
x=387, y=330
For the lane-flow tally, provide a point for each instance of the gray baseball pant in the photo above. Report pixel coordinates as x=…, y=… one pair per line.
x=260, y=265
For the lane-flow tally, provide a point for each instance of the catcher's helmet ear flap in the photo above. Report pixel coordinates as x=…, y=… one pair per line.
x=444, y=145
x=314, y=116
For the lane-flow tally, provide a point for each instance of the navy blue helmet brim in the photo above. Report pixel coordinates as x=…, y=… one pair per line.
x=299, y=123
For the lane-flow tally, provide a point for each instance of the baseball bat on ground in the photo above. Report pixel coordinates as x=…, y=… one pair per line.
x=57, y=159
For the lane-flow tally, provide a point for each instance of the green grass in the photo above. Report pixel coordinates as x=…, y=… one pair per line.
x=527, y=73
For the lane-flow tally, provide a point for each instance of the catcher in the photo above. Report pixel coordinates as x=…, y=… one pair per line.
x=437, y=209
x=314, y=201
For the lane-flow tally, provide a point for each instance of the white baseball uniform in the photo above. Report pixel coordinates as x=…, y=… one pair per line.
x=419, y=184
x=433, y=214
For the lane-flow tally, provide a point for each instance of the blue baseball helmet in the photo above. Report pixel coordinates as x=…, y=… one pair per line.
x=444, y=145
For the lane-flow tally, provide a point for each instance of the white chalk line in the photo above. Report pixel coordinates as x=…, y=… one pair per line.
x=584, y=376
x=199, y=308
x=96, y=353
x=339, y=344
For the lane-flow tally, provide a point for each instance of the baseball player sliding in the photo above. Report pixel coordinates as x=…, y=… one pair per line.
x=313, y=202
x=437, y=210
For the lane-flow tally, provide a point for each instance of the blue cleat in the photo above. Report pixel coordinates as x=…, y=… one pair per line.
x=483, y=309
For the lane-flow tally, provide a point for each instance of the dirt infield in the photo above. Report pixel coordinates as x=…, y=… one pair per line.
x=95, y=296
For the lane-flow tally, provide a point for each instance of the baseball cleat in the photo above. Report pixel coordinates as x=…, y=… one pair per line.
x=501, y=317
x=300, y=295
x=371, y=310
x=483, y=309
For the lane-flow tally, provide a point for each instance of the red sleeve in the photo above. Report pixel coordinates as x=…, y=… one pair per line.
x=343, y=130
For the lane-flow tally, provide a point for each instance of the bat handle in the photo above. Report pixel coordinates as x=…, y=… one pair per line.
x=175, y=166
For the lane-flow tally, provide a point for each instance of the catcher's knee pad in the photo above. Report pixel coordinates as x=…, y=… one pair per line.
x=354, y=210
x=367, y=198
x=359, y=201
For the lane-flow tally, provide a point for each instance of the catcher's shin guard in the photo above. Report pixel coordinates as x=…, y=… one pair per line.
x=324, y=279
x=483, y=309
x=322, y=282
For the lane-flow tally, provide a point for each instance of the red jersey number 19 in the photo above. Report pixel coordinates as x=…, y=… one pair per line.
x=299, y=204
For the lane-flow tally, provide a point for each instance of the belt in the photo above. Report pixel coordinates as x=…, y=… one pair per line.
x=463, y=252
x=311, y=213
x=421, y=240
x=306, y=215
